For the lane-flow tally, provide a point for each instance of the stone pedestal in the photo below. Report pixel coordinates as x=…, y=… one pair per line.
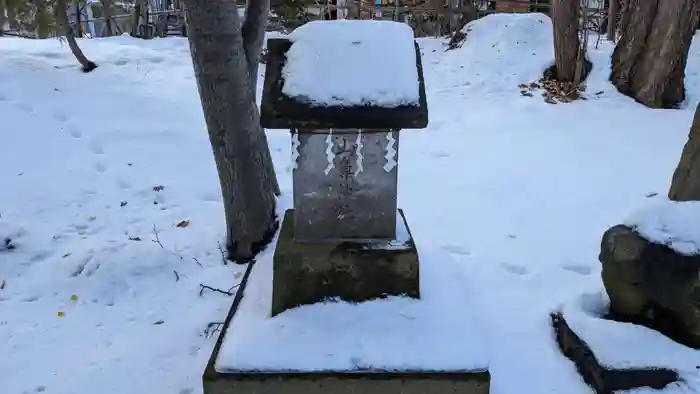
x=352, y=270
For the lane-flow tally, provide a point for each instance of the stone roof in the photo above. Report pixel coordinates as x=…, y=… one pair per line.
x=279, y=111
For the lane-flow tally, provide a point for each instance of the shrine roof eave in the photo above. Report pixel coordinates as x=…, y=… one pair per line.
x=279, y=111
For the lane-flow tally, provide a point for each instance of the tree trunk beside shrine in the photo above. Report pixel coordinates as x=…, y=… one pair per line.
x=649, y=61
x=241, y=153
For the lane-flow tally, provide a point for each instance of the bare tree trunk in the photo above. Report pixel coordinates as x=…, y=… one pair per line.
x=78, y=22
x=108, y=15
x=11, y=14
x=685, y=185
x=3, y=19
x=240, y=148
x=136, y=19
x=613, y=10
x=62, y=18
x=42, y=19
x=565, y=17
x=649, y=61
x=253, y=32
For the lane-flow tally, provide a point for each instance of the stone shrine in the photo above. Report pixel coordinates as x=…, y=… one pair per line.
x=345, y=237
x=332, y=85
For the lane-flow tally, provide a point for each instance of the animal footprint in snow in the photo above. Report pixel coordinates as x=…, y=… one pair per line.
x=74, y=131
x=59, y=116
x=515, y=269
x=25, y=107
x=123, y=183
x=100, y=167
x=31, y=298
x=439, y=155
x=156, y=59
x=456, y=249
x=87, y=267
x=580, y=269
x=96, y=147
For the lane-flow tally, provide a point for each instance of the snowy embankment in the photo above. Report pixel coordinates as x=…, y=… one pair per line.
x=517, y=191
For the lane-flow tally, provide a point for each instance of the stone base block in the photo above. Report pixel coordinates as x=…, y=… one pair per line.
x=612, y=356
x=348, y=383
x=306, y=273
x=652, y=285
x=392, y=346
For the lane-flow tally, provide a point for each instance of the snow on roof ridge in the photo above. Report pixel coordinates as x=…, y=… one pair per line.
x=352, y=63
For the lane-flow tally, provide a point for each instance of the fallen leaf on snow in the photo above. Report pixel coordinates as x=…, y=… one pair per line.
x=158, y=188
x=183, y=224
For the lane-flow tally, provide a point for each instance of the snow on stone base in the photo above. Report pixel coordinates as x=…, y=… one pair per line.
x=439, y=332
x=625, y=345
x=671, y=223
x=352, y=63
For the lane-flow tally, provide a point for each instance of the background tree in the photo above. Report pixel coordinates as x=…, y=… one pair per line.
x=43, y=22
x=613, y=12
x=649, y=61
x=110, y=28
x=62, y=17
x=685, y=184
x=225, y=54
x=137, y=17
x=291, y=13
x=3, y=19
x=567, y=53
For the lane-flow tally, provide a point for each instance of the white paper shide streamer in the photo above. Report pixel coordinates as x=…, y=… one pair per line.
x=358, y=152
x=330, y=156
x=295, y=150
x=390, y=153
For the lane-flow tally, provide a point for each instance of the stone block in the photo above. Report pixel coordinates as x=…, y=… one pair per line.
x=343, y=186
x=305, y=273
x=348, y=383
x=652, y=284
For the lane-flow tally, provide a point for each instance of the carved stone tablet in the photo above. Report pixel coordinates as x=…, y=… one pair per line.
x=345, y=186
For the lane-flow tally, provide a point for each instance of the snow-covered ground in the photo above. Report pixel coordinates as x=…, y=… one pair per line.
x=517, y=191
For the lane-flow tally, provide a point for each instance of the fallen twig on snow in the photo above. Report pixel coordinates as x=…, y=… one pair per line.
x=157, y=240
x=223, y=255
x=213, y=328
x=205, y=287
